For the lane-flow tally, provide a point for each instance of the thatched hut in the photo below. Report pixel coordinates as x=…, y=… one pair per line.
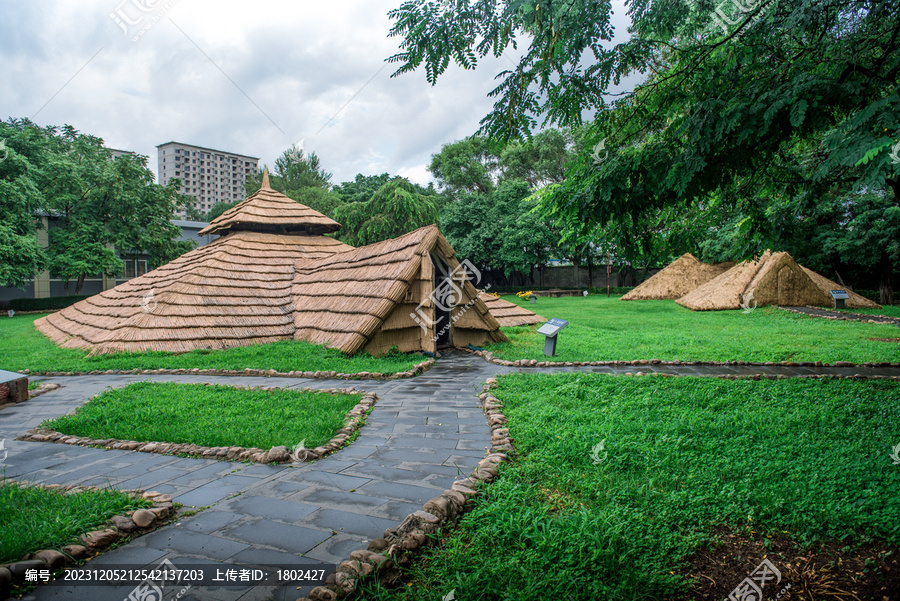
x=509, y=314
x=682, y=275
x=826, y=286
x=773, y=279
x=274, y=275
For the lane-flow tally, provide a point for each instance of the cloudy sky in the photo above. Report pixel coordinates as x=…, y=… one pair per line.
x=247, y=77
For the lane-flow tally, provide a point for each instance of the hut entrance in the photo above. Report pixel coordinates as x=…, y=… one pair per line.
x=445, y=297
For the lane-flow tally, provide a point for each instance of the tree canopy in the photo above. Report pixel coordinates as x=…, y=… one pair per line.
x=101, y=207
x=743, y=110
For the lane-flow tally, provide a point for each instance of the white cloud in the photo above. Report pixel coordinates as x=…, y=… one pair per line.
x=240, y=76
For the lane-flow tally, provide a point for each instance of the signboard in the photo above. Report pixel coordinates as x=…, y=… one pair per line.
x=552, y=327
x=836, y=294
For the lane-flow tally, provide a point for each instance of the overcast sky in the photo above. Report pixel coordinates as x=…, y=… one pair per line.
x=246, y=77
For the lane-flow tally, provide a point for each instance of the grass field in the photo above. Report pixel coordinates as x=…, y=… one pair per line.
x=26, y=348
x=602, y=329
x=212, y=416
x=890, y=310
x=681, y=458
x=32, y=519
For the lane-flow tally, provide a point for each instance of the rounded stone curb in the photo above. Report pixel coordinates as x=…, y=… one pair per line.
x=127, y=526
x=44, y=388
x=398, y=547
x=893, y=320
x=417, y=369
x=489, y=357
x=281, y=454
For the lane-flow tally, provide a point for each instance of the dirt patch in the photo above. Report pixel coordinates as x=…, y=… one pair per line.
x=884, y=339
x=837, y=571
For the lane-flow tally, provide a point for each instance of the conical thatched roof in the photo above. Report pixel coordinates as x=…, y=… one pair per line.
x=270, y=211
x=509, y=314
x=773, y=279
x=682, y=275
x=347, y=301
x=235, y=291
x=825, y=285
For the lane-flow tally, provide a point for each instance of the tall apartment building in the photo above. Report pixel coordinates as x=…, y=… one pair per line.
x=207, y=174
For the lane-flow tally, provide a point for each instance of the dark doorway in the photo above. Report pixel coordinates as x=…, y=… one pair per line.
x=443, y=298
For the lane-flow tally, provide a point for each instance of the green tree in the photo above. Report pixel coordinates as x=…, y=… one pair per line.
x=395, y=209
x=362, y=187
x=501, y=231
x=24, y=149
x=540, y=161
x=724, y=111
x=470, y=165
x=100, y=207
x=220, y=207
x=294, y=170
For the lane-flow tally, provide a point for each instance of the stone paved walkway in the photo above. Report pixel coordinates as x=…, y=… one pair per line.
x=423, y=434
x=816, y=312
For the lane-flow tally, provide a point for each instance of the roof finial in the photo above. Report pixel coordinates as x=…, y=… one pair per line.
x=265, y=180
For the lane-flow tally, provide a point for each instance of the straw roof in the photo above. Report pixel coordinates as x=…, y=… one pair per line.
x=272, y=276
x=270, y=211
x=509, y=314
x=343, y=301
x=773, y=279
x=677, y=279
x=825, y=285
x=235, y=291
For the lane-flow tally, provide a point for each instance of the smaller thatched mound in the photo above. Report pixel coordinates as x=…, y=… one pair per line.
x=773, y=279
x=509, y=314
x=680, y=277
x=825, y=285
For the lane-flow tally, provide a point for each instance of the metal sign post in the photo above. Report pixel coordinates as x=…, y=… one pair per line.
x=550, y=330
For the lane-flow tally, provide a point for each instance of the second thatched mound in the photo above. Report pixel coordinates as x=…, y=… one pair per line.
x=680, y=277
x=825, y=285
x=773, y=279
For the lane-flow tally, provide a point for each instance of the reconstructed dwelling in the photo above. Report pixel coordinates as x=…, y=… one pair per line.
x=273, y=274
x=677, y=279
x=773, y=279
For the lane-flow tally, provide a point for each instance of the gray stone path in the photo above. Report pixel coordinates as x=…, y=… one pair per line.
x=423, y=434
x=844, y=315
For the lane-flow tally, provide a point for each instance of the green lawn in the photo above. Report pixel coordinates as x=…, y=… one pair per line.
x=25, y=348
x=602, y=329
x=890, y=310
x=212, y=416
x=32, y=519
x=808, y=459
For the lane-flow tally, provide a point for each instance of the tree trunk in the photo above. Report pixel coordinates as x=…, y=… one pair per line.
x=885, y=288
x=79, y=284
x=66, y=287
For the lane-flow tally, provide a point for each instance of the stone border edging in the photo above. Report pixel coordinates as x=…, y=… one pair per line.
x=133, y=523
x=489, y=357
x=399, y=545
x=417, y=369
x=280, y=454
x=45, y=387
x=894, y=319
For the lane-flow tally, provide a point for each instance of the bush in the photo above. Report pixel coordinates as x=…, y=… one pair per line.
x=44, y=304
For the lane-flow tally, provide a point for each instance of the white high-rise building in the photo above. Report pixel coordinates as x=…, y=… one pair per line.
x=209, y=175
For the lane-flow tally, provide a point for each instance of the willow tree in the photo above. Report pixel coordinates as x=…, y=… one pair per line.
x=397, y=208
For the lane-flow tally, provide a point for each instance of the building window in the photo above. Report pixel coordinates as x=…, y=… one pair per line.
x=135, y=268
